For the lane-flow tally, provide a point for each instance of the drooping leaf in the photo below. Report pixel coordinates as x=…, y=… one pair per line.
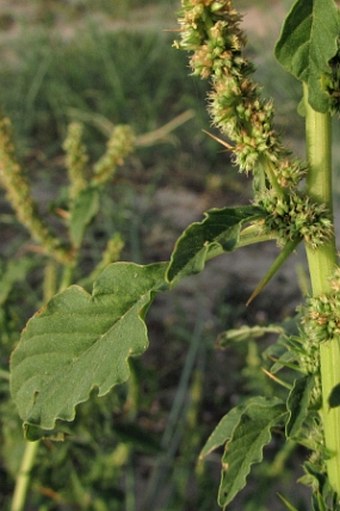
x=250, y=436
x=297, y=404
x=83, y=210
x=219, y=232
x=80, y=342
x=307, y=43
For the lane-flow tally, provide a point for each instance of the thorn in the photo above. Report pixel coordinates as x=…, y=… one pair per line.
x=276, y=379
x=219, y=140
x=283, y=255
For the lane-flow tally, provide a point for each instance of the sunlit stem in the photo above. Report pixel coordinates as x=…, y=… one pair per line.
x=322, y=262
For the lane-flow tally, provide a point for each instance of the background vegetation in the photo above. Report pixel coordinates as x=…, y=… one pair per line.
x=104, y=63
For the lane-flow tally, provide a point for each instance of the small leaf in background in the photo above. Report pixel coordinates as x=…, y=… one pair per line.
x=247, y=333
x=250, y=436
x=84, y=209
x=14, y=271
x=219, y=232
x=307, y=43
x=80, y=342
x=298, y=403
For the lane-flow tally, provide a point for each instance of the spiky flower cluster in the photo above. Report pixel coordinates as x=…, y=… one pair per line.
x=120, y=144
x=320, y=323
x=335, y=281
x=210, y=31
x=295, y=216
x=76, y=159
x=323, y=316
x=18, y=191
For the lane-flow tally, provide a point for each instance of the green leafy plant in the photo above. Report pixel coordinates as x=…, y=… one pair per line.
x=82, y=342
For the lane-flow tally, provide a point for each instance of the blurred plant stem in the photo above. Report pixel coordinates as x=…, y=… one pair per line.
x=31, y=448
x=24, y=476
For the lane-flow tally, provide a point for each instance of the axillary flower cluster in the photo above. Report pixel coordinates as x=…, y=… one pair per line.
x=323, y=311
x=210, y=31
x=320, y=322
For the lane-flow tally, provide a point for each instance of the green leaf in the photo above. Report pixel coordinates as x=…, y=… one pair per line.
x=307, y=43
x=219, y=232
x=223, y=431
x=225, y=428
x=84, y=209
x=15, y=271
x=80, y=342
x=297, y=404
x=251, y=435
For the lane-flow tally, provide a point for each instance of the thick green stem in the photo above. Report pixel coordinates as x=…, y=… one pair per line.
x=322, y=262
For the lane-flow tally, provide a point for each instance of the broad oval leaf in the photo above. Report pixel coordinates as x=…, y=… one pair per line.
x=250, y=436
x=219, y=232
x=307, y=43
x=80, y=342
